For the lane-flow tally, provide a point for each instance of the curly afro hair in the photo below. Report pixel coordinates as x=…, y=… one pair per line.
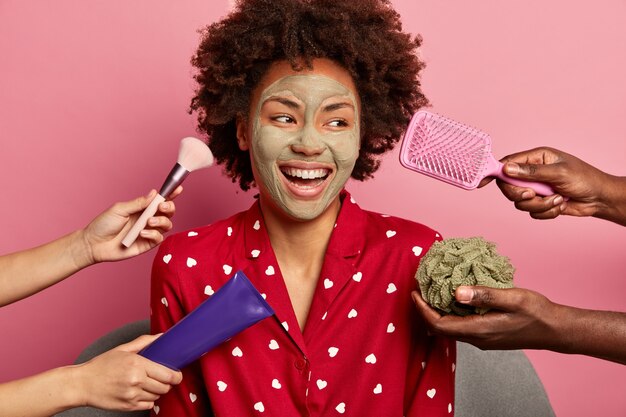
x=363, y=36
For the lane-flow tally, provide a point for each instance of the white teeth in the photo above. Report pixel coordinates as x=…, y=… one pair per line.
x=306, y=174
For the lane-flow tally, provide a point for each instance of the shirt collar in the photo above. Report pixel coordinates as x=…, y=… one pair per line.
x=346, y=240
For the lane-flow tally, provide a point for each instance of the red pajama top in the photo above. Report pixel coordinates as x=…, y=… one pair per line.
x=363, y=351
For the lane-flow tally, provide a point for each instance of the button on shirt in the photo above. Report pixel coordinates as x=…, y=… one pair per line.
x=363, y=351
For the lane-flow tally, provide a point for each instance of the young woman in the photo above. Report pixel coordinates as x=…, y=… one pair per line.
x=296, y=97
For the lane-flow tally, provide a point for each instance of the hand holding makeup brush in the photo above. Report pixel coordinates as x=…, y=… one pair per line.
x=192, y=155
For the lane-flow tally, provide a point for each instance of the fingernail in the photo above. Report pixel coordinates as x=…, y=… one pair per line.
x=512, y=168
x=152, y=221
x=557, y=200
x=526, y=195
x=464, y=295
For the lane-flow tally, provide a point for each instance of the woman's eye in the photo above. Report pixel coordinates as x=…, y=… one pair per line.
x=337, y=123
x=283, y=119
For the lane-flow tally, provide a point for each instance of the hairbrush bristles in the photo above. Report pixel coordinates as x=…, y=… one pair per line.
x=441, y=147
x=450, y=151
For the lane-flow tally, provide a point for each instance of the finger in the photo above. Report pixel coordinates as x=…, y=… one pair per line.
x=485, y=297
x=163, y=374
x=175, y=193
x=134, y=206
x=154, y=388
x=162, y=223
x=152, y=235
x=139, y=343
x=549, y=173
x=428, y=313
x=167, y=208
x=485, y=181
x=542, y=207
x=515, y=193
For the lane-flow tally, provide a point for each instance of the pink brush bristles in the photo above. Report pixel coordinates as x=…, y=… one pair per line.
x=452, y=152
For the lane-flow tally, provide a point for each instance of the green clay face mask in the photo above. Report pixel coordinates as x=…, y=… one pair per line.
x=305, y=142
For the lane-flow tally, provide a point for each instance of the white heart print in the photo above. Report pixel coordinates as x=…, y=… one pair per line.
x=285, y=325
x=229, y=231
x=255, y=253
x=390, y=233
x=390, y=328
x=221, y=386
x=156, y=409
x=270, y=270
x=371, y=358
x=193, y=397
x=276, y=383
x=273, y=344
x=352, y=314
x=328, y=283
x=341, y=408
x=431, y=393
x=332, y=351
x=257, y=225
x=227, y=269
x=259, y=407
x=417, y=251
x=237, y=352
x=164, y=302
x=208, y=290
x=357, y=277
x=378, y=389
x=192, y=234
x=167, y=258
x=391, y=288
x=321, y=384
x=191, y=262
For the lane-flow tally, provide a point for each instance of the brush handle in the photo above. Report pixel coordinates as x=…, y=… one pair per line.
x=141, y=222
x=539, y=187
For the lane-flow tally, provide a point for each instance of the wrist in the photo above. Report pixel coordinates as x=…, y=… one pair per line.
x=71, y=391
x=613, y=200
x=81, y=251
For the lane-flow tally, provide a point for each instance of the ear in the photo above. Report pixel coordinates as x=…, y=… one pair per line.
x=242, y=133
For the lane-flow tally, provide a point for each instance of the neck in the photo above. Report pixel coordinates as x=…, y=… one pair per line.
x=300, y=239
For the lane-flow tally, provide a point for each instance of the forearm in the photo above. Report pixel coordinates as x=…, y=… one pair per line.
x=28, y=272
x=601, y=334
x=44, y=394
x=614, y=201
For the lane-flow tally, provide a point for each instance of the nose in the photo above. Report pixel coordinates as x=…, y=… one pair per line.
x=308, y=143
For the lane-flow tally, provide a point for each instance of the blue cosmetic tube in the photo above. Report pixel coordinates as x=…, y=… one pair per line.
x=233, y=308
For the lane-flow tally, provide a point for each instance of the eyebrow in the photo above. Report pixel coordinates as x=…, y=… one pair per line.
x=337, y=106
x=285, y=101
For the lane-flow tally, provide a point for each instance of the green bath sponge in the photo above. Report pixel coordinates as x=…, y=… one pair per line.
x=461, y=261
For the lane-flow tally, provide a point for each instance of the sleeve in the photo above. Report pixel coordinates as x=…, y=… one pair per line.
x=189, y=398
x=431, y=380
x=431, y=376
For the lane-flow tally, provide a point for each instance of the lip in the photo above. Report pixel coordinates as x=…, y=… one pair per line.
x=312, y=190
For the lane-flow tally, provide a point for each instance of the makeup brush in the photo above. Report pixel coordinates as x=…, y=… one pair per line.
x=193, y=154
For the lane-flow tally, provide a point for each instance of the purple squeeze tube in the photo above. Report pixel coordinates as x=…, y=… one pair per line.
x=233, y=308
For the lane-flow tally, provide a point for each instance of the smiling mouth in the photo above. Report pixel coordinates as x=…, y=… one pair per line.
x=305, y=178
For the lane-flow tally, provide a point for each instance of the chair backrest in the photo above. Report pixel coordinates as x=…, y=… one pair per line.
x=495, y=383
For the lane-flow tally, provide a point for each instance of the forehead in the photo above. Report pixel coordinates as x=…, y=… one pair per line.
x=321, y=69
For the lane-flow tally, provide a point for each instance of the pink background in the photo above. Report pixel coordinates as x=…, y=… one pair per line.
x=93, y=100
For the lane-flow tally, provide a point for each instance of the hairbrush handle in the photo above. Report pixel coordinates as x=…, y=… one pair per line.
x=539, y=187
x=141, y=222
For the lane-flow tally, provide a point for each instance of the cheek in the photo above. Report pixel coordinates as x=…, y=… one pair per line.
x=345, y=148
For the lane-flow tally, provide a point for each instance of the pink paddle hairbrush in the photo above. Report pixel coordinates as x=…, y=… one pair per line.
x=450, y=151
x=193, y=154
